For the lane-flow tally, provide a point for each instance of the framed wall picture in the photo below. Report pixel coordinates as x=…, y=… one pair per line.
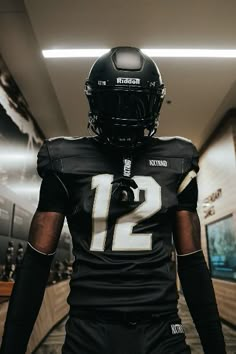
x=221, y=239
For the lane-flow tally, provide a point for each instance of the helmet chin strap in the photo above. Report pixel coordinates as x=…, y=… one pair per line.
x=123, y=191
x=124, y=185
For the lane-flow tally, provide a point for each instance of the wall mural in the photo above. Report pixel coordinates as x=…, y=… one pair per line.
x=20, y=140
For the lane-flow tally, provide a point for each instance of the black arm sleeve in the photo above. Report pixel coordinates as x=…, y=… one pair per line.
x=25, y=301
x=200, y=297
x=53, y=195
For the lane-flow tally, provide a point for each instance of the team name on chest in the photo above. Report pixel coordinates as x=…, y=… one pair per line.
x=158, y=163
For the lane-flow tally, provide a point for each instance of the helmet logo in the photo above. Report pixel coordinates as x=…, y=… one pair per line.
x=128, y=80
x=102, y=83
x=152, y=84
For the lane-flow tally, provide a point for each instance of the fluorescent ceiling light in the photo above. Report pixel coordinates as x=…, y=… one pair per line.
x=166, y=53
x=191, y=53
x=74, y=53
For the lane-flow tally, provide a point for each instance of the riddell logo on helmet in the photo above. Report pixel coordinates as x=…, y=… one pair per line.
x=128, y=80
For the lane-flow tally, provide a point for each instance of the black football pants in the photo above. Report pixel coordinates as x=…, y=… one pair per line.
x=148, y=336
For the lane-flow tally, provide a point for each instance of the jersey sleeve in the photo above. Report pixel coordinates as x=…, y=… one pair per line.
x=53, y=194
x=188, y=189
x=44, y=163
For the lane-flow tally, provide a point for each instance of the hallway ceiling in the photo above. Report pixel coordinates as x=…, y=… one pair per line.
x=200, y=90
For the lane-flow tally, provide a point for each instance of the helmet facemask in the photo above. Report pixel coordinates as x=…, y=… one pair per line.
x=124, y=116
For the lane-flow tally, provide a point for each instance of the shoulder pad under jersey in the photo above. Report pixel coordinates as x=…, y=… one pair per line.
x=167, y=138
x=54, y=150
x=176, y=145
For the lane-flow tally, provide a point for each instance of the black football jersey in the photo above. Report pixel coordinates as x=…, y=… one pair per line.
x=122, y=250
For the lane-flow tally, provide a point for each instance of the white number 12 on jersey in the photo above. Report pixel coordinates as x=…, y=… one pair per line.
x=123, y=237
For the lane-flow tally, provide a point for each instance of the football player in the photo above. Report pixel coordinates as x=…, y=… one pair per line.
x=126, y=195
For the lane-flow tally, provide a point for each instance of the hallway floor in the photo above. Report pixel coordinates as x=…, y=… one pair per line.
x=53, y=343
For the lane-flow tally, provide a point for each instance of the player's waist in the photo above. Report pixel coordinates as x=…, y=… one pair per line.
x=109, y=271
x=122, y=316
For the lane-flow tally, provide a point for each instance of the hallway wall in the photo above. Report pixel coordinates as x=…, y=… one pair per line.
x=217, y=211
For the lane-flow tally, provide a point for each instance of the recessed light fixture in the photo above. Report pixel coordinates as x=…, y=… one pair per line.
x=165, y=53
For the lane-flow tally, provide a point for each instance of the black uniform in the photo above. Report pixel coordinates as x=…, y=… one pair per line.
x=122, y=251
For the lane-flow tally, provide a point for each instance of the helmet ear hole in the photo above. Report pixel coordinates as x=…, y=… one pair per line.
x=125, y=93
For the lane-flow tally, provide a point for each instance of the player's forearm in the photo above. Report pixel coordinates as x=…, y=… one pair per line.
x=25, y=302
x=200, y=297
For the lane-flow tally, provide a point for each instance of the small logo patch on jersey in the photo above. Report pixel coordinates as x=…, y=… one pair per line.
x=127, y=167
x=128, y=80
x=158, y=163
x=177, y=328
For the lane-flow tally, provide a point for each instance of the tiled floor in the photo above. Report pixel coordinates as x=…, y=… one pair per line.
x=192, y=336
x=53, y=343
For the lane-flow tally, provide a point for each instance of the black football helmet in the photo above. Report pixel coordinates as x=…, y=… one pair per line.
x=125, y=93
